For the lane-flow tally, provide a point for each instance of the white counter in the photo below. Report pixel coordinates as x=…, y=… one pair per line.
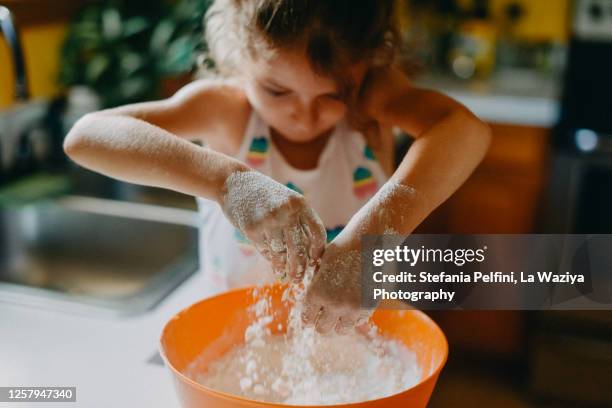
x=105, y=358
x=513, y=97
x=511, y=110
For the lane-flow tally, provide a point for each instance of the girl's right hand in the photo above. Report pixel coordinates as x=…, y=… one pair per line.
x=277, y=220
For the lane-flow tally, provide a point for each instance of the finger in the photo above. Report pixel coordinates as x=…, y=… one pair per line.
x=277, y=240
x=340, y=329
x=305, y=250
x=362, y=323
x=278, y=251
x=310, y=310
x=279, y=265
x=262, y=240
x=308, y=239
x=363, y=317
x=316, y=234
x=292, y=261
x=263, y=246
x=344, y=325
x=325, y=321
x=297, y=248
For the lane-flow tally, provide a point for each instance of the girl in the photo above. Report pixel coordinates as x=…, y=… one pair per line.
x=298, y=145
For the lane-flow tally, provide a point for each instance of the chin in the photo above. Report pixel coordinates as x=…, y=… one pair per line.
x=300, y=137
x=295, y=137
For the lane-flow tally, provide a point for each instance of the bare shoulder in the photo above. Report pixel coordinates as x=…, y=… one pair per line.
x=391, y=98
x=212, y=111
x=219, y=110
x=227, y=92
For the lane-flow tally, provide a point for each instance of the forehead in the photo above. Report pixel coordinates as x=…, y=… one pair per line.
x=291, y=69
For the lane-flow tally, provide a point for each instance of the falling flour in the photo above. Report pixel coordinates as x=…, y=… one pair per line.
x=303, y=367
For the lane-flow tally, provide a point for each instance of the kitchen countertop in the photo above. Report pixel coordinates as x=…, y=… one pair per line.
x=512, y=97
x=105, y=358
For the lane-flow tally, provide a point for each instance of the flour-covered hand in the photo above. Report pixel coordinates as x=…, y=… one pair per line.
x=333, y=297
x=277, y=220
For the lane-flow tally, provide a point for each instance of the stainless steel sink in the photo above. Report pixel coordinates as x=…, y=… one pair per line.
x=90, y=255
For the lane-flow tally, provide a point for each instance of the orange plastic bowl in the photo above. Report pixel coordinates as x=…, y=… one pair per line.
x=208, y=329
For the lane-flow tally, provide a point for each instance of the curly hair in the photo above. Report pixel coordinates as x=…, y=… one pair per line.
x=334, y=34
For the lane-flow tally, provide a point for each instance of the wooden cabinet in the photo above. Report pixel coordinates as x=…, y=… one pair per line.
x=504, y=192
x=502, y=196
x=485, y=332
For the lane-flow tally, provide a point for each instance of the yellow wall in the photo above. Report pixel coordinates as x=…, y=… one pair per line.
x=543, y=20
x=42, y=44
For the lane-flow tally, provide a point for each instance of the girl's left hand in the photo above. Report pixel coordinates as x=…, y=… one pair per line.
x=333, y=298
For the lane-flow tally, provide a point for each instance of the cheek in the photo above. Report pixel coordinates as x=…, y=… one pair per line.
x=332, y=112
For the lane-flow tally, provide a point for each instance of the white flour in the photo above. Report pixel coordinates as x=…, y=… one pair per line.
x=277, y=221
x=379, y=216
x=251, y=195
x=306, y=368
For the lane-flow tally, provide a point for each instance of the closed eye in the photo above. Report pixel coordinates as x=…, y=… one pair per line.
x=276, y=92
x=334, y=96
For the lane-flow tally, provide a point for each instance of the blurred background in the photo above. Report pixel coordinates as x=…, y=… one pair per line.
x=538, y=71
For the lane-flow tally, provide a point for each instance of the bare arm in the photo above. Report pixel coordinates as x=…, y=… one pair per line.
x=450, y=143
x=147, y=143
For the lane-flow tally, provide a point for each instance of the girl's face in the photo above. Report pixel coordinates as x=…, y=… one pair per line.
x=292, y=98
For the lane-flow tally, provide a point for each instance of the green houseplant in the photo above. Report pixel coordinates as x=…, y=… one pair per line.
x=124, y=50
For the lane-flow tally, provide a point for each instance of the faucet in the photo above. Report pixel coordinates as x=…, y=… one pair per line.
x=7, y=28
x=10, y=34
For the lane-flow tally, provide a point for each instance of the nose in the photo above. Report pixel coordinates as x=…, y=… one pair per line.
x=306, y=116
